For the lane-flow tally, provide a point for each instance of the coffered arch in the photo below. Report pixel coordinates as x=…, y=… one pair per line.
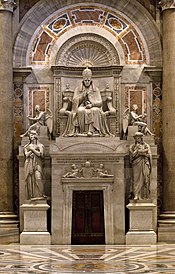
x=131, y=25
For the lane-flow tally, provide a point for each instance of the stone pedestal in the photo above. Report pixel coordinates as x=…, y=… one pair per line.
x=43, y=139
x=141, y=223
x=35, y=223
x=109, y=151
x=132, y=130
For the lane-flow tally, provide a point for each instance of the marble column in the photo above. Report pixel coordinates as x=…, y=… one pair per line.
x=8, y=223
x=167, y=219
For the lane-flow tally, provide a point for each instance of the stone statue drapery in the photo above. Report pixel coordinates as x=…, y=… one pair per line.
x=86, y=117
x=34, y=154
x=141, y=159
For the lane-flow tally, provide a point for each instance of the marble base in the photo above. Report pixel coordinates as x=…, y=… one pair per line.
x=9, y=235
x=9, y=228
x=166, y=227
x=141, y=223
x=166, y=234
x=141, y=237
x=132, y=130
x=35, y=238
x=35, y=223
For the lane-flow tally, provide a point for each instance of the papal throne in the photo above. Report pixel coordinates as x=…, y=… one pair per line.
x=107, y=110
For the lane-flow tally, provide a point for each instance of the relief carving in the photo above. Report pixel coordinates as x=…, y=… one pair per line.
x=88, y=171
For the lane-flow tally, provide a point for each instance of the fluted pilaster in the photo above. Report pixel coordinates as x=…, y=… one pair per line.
x=166, y=227
x=168, y=118
x=8, y=223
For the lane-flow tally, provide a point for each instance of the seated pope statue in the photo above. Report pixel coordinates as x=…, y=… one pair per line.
x=86, y=117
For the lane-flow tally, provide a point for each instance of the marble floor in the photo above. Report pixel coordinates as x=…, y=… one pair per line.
x=87, y=259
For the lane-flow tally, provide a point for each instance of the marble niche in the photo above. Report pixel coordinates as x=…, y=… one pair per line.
x=89, y=162
x=77, y=152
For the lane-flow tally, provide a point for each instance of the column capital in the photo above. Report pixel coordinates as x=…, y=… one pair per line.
x=167, y=4
x=7, y=5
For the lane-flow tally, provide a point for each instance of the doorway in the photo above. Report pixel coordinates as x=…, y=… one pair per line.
x=88, y=217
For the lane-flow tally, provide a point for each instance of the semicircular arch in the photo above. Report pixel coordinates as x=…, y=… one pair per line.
x=87, y=48
x=142, y=30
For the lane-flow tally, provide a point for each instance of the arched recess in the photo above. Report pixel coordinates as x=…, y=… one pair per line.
x=138, y=20
x=86, y=49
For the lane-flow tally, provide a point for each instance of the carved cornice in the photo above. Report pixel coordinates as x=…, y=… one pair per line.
x=167, y=4
x=155, y=73
x=7, y=5
x=22, y=72
x=96, y=71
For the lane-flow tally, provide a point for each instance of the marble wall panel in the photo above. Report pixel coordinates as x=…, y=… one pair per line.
x=38, y=95
x=136, y=95
x=135, y=13
x=42, y=46
x=51, y=31
x=157, y=128
x=18, y=129
x=133, y=47
x=90, y=15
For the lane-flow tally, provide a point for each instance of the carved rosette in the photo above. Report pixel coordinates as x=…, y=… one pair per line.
x=7, y=5
x=167, y=4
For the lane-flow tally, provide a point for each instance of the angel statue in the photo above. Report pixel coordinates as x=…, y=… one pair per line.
x=131, y=118
x=42, y=118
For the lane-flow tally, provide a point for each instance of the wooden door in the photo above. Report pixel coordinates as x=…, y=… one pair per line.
x=88, y=217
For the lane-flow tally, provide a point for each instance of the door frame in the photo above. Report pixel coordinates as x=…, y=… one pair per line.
x=80, y=185
x=88, y=235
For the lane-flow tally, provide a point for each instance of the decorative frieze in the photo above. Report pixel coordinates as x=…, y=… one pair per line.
x=88, y=171
x=167, y=4
x=7, y=5
x=88, y=49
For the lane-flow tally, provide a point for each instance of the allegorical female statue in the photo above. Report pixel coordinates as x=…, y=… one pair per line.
x=87, y=117
x=34, y=154
x=141, y=160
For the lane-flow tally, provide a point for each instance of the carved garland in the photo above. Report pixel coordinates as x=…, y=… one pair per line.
x=116, y=94
x=58, y=103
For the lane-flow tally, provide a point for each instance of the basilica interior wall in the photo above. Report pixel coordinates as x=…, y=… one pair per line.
x=119, y=34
